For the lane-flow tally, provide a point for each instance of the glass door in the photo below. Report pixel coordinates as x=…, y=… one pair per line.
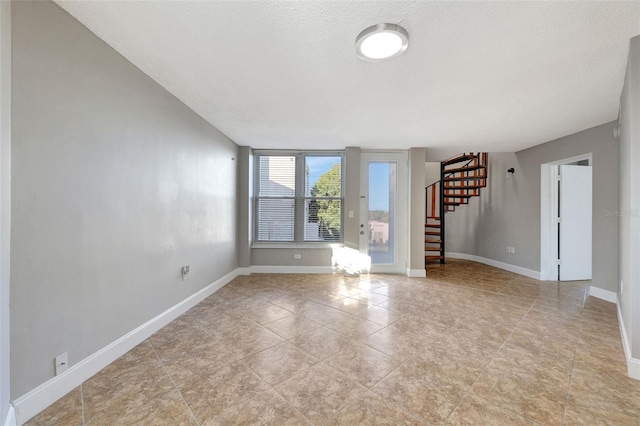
x=383, y=210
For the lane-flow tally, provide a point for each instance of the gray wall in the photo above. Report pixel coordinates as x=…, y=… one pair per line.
x=116, y=185
x=244, y=203
x=5, y=203
x=311, y=257
x=629, y=292
x=494, y=220
x=417, y=171
x=352, y=197
x=508, y=211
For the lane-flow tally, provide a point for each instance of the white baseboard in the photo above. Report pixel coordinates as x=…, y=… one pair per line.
x=633, y=368
x=416, y=273
x=507, y=267
x=10, y=420
x=633, y=364
x=38, y=399
x=271, y=269
x=244, y=270
x=603, y=294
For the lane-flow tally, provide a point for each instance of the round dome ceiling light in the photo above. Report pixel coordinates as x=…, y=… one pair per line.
x=381, y=42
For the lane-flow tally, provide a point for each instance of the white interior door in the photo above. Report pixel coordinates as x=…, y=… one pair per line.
x=575, y=222
x=383, y=210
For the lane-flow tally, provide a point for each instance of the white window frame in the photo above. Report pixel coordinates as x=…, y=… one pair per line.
x=300, y=197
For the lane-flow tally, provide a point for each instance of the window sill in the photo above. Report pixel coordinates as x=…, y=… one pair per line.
x=302, y=246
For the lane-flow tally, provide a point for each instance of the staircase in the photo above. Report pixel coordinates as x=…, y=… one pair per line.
x=461, y=178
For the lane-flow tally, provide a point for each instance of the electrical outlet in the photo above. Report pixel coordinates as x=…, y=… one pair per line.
x=508, y=249
x=61, y=363
x=297, y=256
x=621, y=287
x=513, y=250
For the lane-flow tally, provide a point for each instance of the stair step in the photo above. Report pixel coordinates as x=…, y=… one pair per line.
x=465, y=190
x=433, y=257
x=460, y=195
x=464, y=187
x=433, y=217
x=473, y=184
x=432, y=249
x=432, y=225
x=432, y=233
x=459, y=159
x=464, y=178
x=465, y=169
x=432, y=241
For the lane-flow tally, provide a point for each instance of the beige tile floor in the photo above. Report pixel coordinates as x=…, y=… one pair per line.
x=470, y=345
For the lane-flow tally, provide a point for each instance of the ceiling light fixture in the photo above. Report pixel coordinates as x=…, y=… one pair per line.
x=381, y=42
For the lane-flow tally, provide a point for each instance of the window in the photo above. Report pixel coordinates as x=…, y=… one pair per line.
x=299, y=197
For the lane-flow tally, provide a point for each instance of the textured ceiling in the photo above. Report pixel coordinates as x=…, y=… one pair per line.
x=496, y=76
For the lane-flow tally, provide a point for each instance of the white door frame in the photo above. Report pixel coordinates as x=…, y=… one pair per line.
x=548, y=215
x=401, y=228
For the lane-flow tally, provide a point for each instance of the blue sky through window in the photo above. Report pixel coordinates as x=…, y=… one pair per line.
x=378, y=179
x=379, y=186
x=318, y=166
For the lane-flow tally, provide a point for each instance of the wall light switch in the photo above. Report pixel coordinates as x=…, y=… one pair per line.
x=297, y=256
x=186, y=270
x=350, y=214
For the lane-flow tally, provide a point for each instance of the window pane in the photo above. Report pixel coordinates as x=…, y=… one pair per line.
x=277, y=176
x=323, y=176
x=275, y=219
x=382, y=203
x=306, y=206
x=322, y=220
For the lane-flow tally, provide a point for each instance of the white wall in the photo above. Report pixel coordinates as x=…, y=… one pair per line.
x=5, y=203
x=116, y=185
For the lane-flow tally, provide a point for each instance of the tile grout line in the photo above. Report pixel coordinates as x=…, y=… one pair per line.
x=173, y=381
x=84, y=421
x=491, y=361
x=343, y=409
x=400, y=364
x=573, y=365
x=325, y=326
x=241, y=361
x=355, y=400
